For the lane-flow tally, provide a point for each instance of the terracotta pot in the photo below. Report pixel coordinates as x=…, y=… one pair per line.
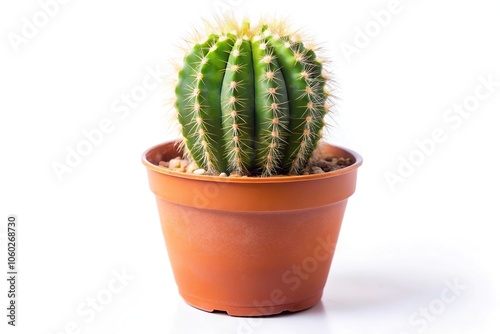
x=250, y=246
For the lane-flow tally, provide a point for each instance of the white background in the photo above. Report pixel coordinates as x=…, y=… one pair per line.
x=398, y=247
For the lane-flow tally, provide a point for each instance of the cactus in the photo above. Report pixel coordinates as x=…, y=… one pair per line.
x=251, y=101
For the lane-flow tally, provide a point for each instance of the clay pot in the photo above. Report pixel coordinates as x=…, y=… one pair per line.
x=250, y=246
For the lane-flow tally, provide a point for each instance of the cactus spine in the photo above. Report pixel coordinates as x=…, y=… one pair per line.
x=251, y=101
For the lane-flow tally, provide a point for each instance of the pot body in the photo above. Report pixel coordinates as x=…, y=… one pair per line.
x=250, y=246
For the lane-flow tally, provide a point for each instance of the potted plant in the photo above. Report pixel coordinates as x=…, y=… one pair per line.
x=251, y=225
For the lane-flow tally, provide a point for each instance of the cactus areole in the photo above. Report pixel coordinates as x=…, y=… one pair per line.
x=251, y=101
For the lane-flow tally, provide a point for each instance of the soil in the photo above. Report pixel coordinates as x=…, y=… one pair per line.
x=317, y=165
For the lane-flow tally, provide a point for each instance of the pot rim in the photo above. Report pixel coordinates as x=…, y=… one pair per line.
x=358, y=161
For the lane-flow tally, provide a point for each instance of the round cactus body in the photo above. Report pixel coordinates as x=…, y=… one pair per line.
x=251, y=101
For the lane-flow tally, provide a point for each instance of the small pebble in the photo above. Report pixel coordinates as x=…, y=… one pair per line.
x=199, y=171
x=344, y=161
x=222, y=175
x=317, y=170
x=323, y=163
x=174, y=163
x=163, y=164
x=191, y=167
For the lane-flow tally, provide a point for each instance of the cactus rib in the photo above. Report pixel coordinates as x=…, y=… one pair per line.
x=237, y=98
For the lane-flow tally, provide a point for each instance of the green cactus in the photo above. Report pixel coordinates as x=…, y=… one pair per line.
x=251, y=101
